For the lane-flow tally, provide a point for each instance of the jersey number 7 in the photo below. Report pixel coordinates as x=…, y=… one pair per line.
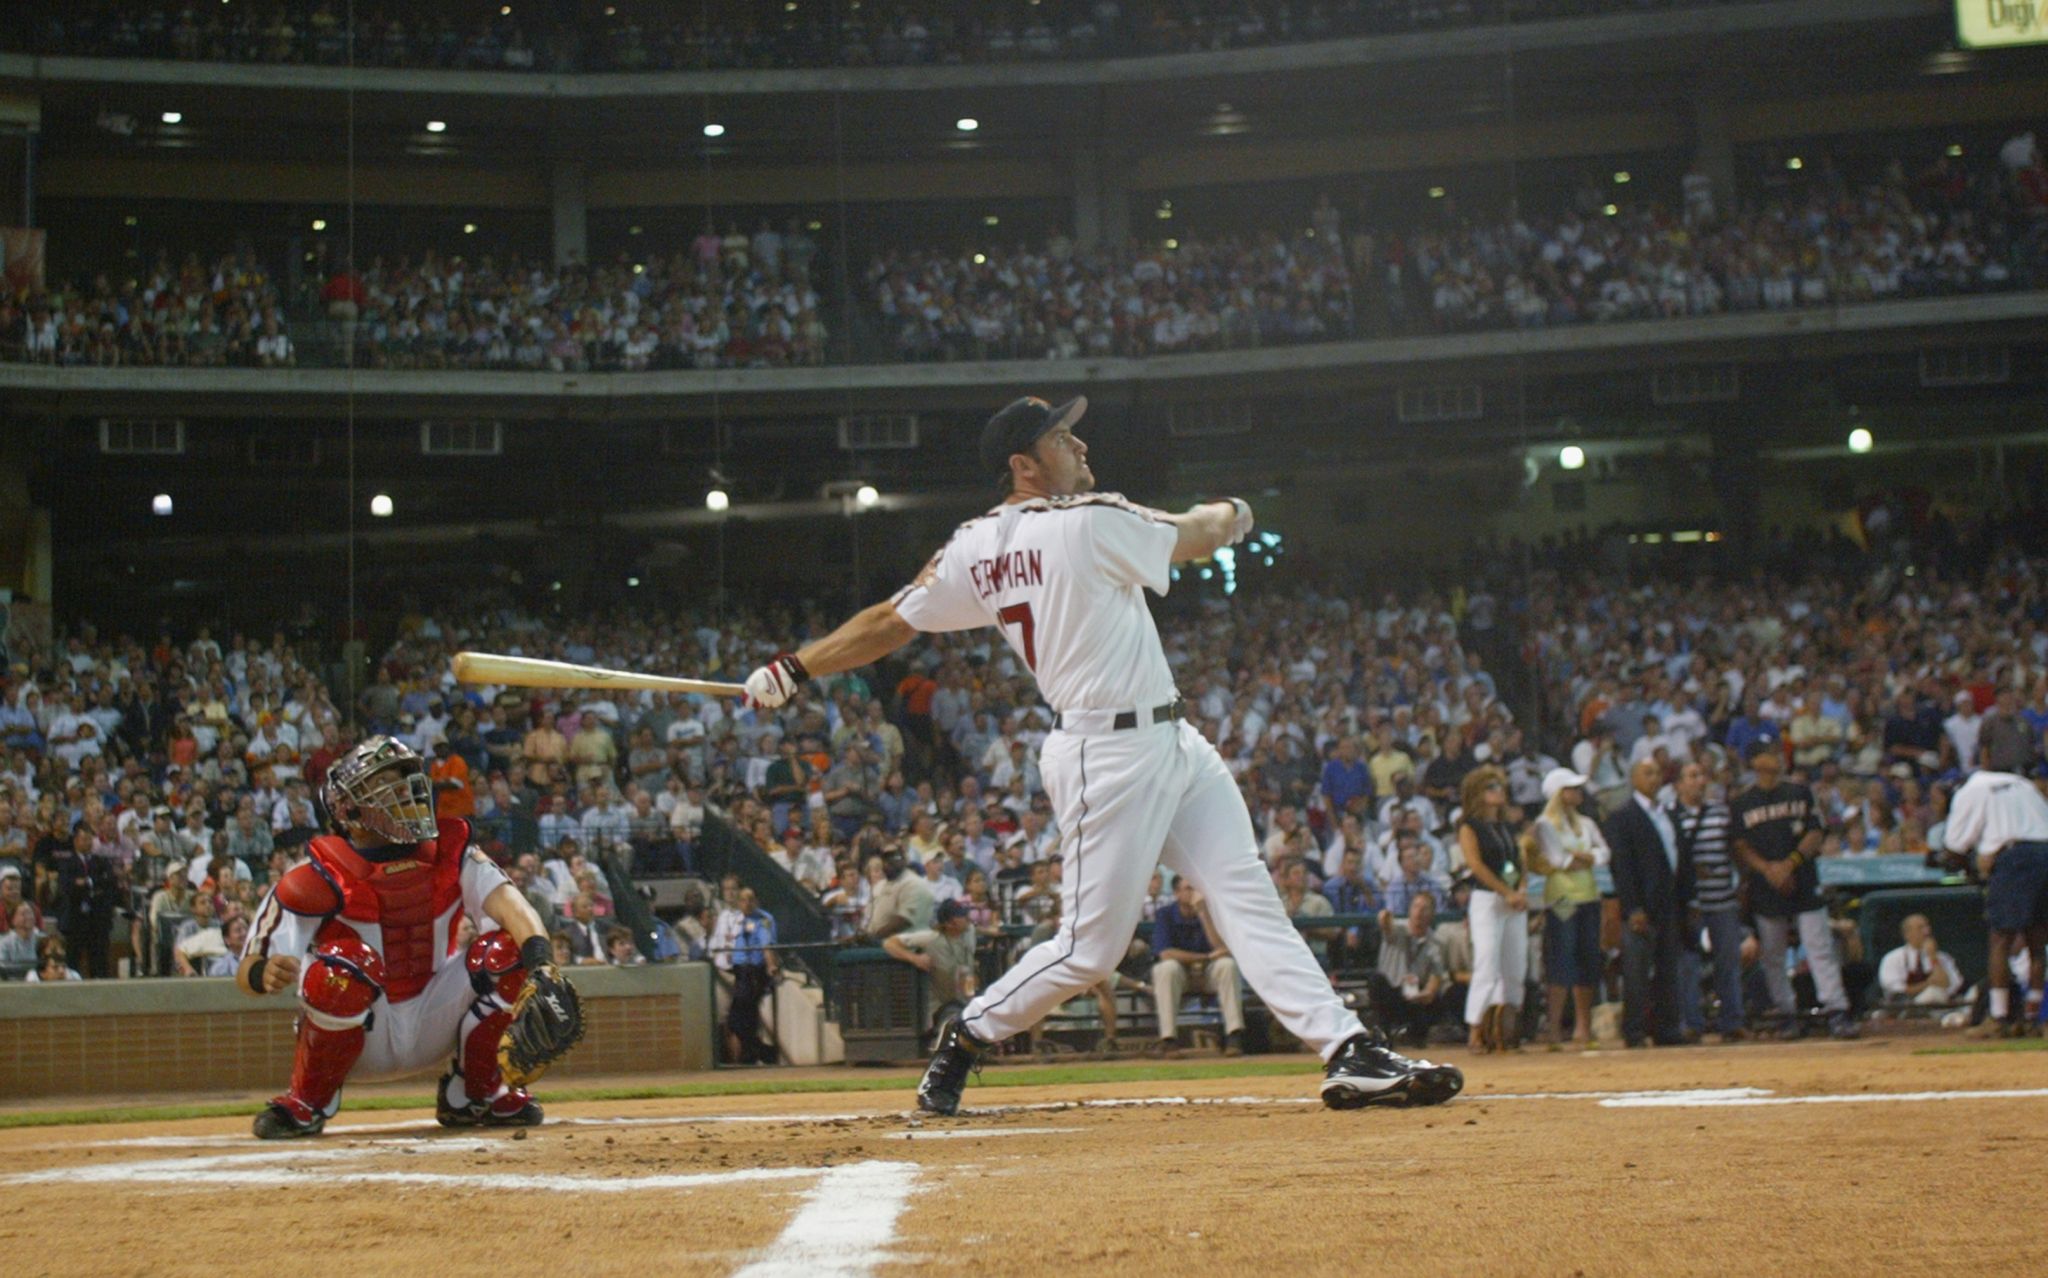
x=1019, y=615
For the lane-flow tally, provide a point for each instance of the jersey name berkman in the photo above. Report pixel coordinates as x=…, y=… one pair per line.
x=1017, y=568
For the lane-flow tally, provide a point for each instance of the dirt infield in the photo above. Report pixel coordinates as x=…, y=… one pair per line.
x=1816, y=1158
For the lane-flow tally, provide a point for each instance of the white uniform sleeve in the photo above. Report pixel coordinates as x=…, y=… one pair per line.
x=1966, y=817
x=277, y=931
x=1891, y=973
x=1128, y=544
x=941, y=598
x=480, y=877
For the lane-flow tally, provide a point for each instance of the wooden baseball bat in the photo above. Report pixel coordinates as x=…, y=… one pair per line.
x=532, y=672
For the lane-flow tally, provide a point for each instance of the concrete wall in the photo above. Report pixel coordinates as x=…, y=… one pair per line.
x=141, y=1039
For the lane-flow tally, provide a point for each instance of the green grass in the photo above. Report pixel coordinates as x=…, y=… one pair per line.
x=1989, y=1045
x=749, y=1085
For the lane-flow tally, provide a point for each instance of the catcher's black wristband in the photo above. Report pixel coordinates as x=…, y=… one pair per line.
x=536, y=952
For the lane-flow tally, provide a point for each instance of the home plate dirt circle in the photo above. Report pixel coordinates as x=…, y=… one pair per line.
x=1813, y=1158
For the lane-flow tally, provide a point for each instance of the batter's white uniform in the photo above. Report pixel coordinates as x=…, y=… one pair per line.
x=1064, y=578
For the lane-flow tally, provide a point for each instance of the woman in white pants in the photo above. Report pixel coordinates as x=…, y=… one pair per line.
x=1499, y=913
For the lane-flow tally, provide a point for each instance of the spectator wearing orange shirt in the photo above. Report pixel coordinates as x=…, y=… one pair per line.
x=917, y=691
x=453, y=796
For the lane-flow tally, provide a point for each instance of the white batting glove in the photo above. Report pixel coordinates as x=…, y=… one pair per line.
x=1243, y=527
x=775, y=683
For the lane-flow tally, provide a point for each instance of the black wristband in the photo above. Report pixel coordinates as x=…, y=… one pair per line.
x=536, y=952
x=255, y=975
x=795, y=665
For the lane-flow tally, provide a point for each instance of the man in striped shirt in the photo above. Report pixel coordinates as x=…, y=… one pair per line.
x=1702, y=828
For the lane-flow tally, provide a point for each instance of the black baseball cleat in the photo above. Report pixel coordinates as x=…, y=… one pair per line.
x=1366, y=1071
x=279, y=1122
x=514, y=1109
x=958, y=1054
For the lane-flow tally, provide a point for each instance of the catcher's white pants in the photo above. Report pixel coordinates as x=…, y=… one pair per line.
x=421, y=1033
x=1126, y=802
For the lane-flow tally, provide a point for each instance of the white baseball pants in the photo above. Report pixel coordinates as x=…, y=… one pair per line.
x=1126, y=802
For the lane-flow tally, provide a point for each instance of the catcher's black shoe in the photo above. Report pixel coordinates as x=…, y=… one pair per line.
x=514, y=1109
x=280, y=1121
x=1366, y=1071
x=946, y=1077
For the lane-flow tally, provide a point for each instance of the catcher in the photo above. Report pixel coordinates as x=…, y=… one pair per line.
x=365, y=930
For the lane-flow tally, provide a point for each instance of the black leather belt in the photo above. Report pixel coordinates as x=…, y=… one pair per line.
x=1125, y=720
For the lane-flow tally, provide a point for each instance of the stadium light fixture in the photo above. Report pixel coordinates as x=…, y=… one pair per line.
x=632, y=581
x=319, y=223
x=980, y=259
x=1436, y=193
x=1955, y=150
x=173, y=117
x=717, y=501
x=437, y=126
x=160, y=505
x=632, y=230
x=967, y=124
x=1860, y=440
x=814, y=225
x=865, y=497
x=991, y=220
x=1621, y=177
x=469, y=228
x=714, y=130
x=1571, y=457
x=380, y=505
x=504, y=10
x=1172, y=244
x=1795, y=164
x=1611, y=209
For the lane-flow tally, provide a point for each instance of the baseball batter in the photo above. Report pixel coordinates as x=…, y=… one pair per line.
x=1062, y=571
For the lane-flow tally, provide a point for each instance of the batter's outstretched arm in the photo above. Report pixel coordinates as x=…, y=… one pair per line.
x=1207, y=528
x=870, y=635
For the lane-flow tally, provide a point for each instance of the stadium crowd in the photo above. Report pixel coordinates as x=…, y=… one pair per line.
x=150, y=791
x=1824, y=241
x=633, y=35
x=748, y=300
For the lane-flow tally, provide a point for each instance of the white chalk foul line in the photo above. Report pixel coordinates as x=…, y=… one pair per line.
x=845, y=1226
x=1709, y=1101
x=976, y=1133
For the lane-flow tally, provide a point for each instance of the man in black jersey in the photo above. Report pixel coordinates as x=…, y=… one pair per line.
x=1777, y=830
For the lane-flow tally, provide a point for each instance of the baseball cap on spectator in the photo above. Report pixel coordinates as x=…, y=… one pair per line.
x=1561, y=779
x=947, y=911
x=10, y=871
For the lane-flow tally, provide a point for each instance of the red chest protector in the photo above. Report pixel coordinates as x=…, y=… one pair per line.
x=402, y=897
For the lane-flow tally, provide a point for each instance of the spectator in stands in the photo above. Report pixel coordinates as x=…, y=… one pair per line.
x=944, y=952
x=1187, y=957
x=1498, y=915
x=619, y=949
x=1919, y=971
x=586, y=935
x=1567, y=846
x=846, y=901
x=1349, y=893
x=1414, y=879
x=1300, y=903
x=899, y=901
x=1702, y=827
x=1408, y=988
x=88, y=890
x=53, y=966
x=18, y=945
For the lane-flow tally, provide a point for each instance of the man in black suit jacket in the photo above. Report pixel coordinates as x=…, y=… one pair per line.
x=1650, y=877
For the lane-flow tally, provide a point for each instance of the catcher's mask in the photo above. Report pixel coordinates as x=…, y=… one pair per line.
x=381, y=786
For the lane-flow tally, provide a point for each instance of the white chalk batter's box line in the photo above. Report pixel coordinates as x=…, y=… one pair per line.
x=1722, y=1097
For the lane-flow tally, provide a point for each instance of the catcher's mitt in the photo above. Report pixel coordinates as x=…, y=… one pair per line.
x=547, y=1021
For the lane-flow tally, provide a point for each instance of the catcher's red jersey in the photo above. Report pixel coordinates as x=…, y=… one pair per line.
x=404, y=909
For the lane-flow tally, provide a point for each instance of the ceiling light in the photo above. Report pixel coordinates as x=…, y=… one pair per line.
x=716, y=500
x=1610, y=210
x=1795, y=164
x=967, y=124
x=160, y=504
x=437, y=126
x=1860, y=440
x=815, y=226
x=865, y=496
x=380, y=505
x=632, y=581
x=505, y=11
x=174, y=117
x=319, y=223
x=1162, y=213
x=469, y=228
x=980, y=258
x=130, y=220
x=1436, y=193
x=639, y=268
x=1571, y=457
x=714, y=130
x=1955, y=150
x=1621, y=177
x=1173, y=244
x=991, y=220
x=633, y=230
